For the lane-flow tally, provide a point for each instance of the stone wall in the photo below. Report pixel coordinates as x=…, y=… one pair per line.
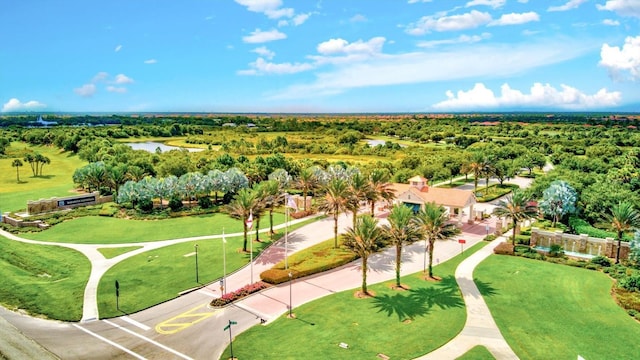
x=22, y=223
x=582, y=243
x=63, y=203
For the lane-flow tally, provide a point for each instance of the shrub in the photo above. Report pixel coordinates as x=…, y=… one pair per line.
x=145, y=205
x=523, y=239
x=205, y=202
x=601, y=260
x=300, y=214
x=175, y=204
x=238, y=294
x=556, y=250
x=576, y=263
x=631, y=283
x=504, y=249
x=591, y=267
x=489, y=237
x=275, y=276
x=580, y=226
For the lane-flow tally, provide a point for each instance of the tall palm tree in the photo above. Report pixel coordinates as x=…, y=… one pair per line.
x=307, y=181
x=518, y=207
x=273, y=196
x=240, y=208
x=17, y=163
x=380, y=188
x=334, y=202
x=262, y=198
x=436, y=226
x=477, y=167
x=364, y=239
x=358, y=191
x=623, y=217
x=403, y=229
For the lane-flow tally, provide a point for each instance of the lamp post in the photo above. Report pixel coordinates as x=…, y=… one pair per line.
x=486, y=227
x=290, y=292
x=223, y=284
x=286, y=233
x=196, y=248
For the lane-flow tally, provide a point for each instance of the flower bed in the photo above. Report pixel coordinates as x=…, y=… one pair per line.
x=239, y=294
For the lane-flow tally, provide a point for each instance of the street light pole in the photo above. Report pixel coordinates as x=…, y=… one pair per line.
x=223, y=285
x=290, y=292
x=196, y=247
x=286, y=236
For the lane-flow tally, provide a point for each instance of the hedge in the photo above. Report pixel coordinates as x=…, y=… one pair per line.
x=580, y=226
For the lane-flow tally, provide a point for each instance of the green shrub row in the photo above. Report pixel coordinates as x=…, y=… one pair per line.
x=580, y=226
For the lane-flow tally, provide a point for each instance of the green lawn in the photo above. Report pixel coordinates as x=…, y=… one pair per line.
x=550, y=311
x=106, y=230
x=43, y=280
x=477, y=353
x=401, y=325
x=56, y=179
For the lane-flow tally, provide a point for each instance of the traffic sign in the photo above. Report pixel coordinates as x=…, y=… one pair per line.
x=462, y=241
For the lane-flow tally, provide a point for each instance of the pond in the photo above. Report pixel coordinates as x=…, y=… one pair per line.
x=151, y=147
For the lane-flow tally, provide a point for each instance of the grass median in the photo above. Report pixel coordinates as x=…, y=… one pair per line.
x=551, y=311
x=401, y=325
x=43, y=280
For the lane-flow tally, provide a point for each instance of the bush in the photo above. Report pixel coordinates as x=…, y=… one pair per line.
x=523, y=239
x=145, y=205
x=592, y=267
x=504, y=249
x=556, y=250
x=601, y=260
x=576, y=263
x=489, y=237
x=239, y=294
x=631, y=283
x=175, y=204
x=300, y=214
x=205, y=202
x=580, y=226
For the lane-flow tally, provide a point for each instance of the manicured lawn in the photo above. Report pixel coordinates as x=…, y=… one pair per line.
x=549, y=311
x=106, y=230
x=56, y=179
x=159, y=275
x=113, y=252
x=46, y=280
x=477, y=353
x=402, y=325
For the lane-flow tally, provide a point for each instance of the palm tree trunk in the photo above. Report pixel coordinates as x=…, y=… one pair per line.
x=305, y=200
x=513, y=236
x=431, y=243
x=373, y=208
x=244, y=227
x=355, y=217
x=335, y=231
x=17, y=174
x=257, y=227
x=619, y=245
x=398, y=262
x=364, y=275
x=271, y=221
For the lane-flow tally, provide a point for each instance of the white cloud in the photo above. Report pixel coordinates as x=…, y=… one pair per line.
x=263, y=67
x=468, y=20
x=86, y=90
x=492, y=3
x=271, y=8
x=358, y=18
x=16, y=105
x=540, y=95
x=610, y=22
x=622, y=7
x=620, y=60
x=123, y=79
x=515, y=19
x=264, y=52
x=417, y=1
x=300, y=19
x=151, y=61
x=118, y=48
x=488, y=61
x=571, y=4
x=259, y=36
x=341, y=46
x=462, y=39
x=101, y=76
x=116, y=89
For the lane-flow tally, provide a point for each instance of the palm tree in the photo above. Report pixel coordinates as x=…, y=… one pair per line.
x=273, y=197
x=358, y=190
x=518, y=207
x=364, y=239
x=380, y=188
x=240, y=208
x=477, y=167
x=403, y=229
x=623, y=217
x=262, y=197
x=17, y=163
x=334, y=202
x=307, y=181
x=436, y=226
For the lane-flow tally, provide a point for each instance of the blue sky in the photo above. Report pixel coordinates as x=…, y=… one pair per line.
x=319, y=55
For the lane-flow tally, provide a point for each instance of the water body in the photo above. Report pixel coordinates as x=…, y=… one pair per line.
x=151, y=147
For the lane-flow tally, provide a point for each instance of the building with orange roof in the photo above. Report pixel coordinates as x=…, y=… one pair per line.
x=417, y=192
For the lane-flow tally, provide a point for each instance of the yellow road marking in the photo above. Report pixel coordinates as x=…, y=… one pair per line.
x=171, y=326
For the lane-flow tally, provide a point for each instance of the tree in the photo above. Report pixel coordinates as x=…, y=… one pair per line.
x=308, y=181
x=517, y=206
x=240, y=208
x=634, y=248
x=41, y=160
x=477, y=167
x=559, y=199
x=364, y=239
x=32, y=162
x=334, y=202
x=403, y=229
x=436, y=226
x=623, y=217
x=17, y=163
x=380, y=188
x=358, y=191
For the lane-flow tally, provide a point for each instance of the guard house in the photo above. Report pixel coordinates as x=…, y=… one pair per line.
x=416, y=193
